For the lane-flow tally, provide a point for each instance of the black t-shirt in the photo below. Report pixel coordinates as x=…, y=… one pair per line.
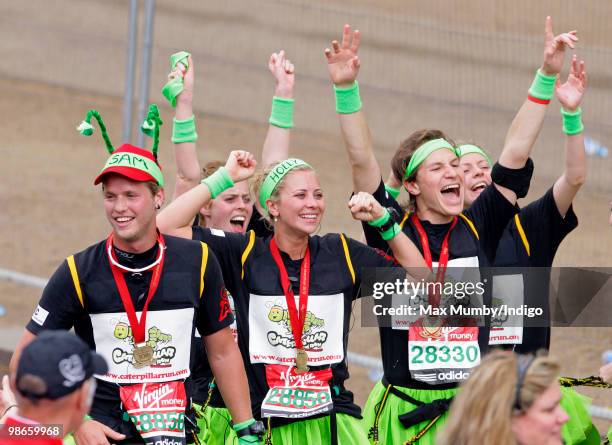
x=201, y=373
x=253, y=276
x=544, y=229
x=472, y=243
x=186, y=299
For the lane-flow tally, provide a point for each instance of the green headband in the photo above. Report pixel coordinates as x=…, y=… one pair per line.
x=423, y=153
x=275, y=176
x=135, y=161
x=466, y=149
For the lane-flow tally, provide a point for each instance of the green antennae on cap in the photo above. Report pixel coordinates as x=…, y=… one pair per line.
x=86, y=129
x=151, y=125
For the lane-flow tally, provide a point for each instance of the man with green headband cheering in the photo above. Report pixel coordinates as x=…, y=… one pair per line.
x=137, y=298
x=448, y=236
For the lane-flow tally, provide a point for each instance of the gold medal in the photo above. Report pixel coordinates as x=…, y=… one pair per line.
x=301, y=361
x=143, y=356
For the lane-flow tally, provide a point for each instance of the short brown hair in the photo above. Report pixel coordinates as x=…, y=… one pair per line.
x=211, y=167
x=404, y=152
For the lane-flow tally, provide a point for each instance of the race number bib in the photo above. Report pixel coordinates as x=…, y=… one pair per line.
x=509, y=291
x=271, y=338
x=438, y=355
x=157, y=410
x=294, y=395
x=165, y=333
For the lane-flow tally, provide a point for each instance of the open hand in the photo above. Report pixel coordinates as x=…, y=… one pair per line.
x=284, y=73
x=554, y=48
x=570, y=93
x=342, y=61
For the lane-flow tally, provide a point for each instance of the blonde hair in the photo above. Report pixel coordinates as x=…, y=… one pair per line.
x=483, y=408
x=259, y=178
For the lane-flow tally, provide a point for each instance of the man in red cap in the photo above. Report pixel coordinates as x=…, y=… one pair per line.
x=136, y=298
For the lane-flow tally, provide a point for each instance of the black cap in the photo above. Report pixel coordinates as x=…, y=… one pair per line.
x=55, y=364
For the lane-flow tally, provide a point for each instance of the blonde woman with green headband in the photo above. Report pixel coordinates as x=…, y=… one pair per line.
x=293, y=296
x=410, y=402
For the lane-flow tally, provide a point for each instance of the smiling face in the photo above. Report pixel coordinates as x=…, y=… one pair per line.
x=130, y=209
x=476, y=176
x=231, y=210
x=438, y=187
x=541, y=423
x=300, y=205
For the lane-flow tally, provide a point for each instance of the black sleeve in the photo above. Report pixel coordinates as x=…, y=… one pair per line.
x=259, y=225
x=228, y=247
x=214, y=313
x=490, y=213
x=372, y=235
x=545, y=228
x=363, y=257
x=59, y=305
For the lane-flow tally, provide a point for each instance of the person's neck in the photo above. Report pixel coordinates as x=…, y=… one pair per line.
x=48, y=415
x=433, y=216
x=138, y=246
x=291, y=243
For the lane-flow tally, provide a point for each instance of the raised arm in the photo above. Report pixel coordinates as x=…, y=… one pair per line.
x=188, y=173
x=365, y=207
x=343, y=66
x=570, y=96
x=175, y=219
x=527, y=123
x=276, y=145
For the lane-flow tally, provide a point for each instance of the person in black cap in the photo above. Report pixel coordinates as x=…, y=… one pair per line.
x=54, y=388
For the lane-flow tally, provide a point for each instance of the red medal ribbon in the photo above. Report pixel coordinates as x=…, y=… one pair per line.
x=138, y=326
x=297, y=320
x=434, y=300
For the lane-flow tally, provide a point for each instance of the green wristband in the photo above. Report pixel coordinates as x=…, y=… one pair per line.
x=243, y=425
x=391, y=232
x=184, y=130
x=347, y=99
x=379, y=222
x=282, y=112
x=572, y=121
x=393, y=191
x=218, y=182
x=543, y=86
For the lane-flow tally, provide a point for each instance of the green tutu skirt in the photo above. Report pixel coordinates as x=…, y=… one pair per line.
x=215, y=426
x=390, y=430
x=317, y=432
x=579, y=429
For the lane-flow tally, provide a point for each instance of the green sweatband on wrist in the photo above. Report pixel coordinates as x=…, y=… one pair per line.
x=243, y=425
x=184, y=130
x=282, y=112
x=218, y=182
x=347, y=99
x=543, y=86
x=391, y=232
x=393, y=192
x=379, y=222
x=572, y=121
